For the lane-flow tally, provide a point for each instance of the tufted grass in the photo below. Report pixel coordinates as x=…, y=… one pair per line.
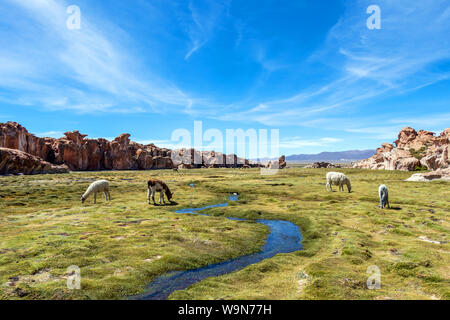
x=122, y=245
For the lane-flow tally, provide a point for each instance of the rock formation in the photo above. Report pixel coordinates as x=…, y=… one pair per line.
x=15, y=162
x=282, y=162
x=277, y=164
x=413, y=150
x=191, y=158
x=317, y=165
x=440, y=174
x=79, y=153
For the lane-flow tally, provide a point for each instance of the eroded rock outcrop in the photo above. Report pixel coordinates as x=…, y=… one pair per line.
x=80, y=153
x=282, y=162
x=317, y=165
x=191, y=158
x=413, y=150
x=440, y=174
x=277, y=164
x=15, y=161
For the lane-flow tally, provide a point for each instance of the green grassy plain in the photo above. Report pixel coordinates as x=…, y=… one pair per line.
x=122, y=245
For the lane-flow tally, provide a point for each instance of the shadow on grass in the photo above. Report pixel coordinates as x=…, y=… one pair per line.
x=170, y=204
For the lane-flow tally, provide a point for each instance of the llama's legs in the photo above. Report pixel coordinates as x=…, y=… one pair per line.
x=106, y=195
x=381, y=202
x=329, y=187
x=153, y=197
x=109, y=196
x=161, y=195
x=148, y=195
x=95, y=197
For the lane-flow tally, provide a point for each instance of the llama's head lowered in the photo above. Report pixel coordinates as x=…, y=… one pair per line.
x=169, y=195
x=349, y=185
x=83, y=199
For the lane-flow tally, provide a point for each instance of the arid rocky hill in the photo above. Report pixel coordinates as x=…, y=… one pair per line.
x=18, y=162
x=412, y=151
x=79, y=153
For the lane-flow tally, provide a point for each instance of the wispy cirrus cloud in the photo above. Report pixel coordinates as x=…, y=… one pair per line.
x=364, y=64
x=299, y=142
x=429, y=120
x=205, y=17
x=382, y=127
x=87, y=70
x=50, y=134
x=382, y=132
x=112, y=66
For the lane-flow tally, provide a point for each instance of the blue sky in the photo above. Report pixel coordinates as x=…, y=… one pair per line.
x=311, y=69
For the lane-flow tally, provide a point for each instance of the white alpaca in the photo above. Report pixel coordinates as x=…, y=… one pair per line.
x=338, y=179
x=95, y=187
x=384, y=197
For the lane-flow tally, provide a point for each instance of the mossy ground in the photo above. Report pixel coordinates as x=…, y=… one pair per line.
x=122, y=245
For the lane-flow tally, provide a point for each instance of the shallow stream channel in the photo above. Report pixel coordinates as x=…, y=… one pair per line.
x=284, y=237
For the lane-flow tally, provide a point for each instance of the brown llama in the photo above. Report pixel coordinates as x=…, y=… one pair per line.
x=158, y=186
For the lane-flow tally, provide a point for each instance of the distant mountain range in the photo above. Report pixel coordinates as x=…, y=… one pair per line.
x=340, y=156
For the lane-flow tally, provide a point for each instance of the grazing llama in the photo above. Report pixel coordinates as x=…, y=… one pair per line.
x=95, y=187
x=338, y=179
x=384, y=197
x=158, y=186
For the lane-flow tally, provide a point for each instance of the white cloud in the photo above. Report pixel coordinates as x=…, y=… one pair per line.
x=387, y=133
x=298, y=142
x=94, y=69
x=367, y=64
x=427, y=121
x=50, y=134
x=87, y=70
x=204, y=17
